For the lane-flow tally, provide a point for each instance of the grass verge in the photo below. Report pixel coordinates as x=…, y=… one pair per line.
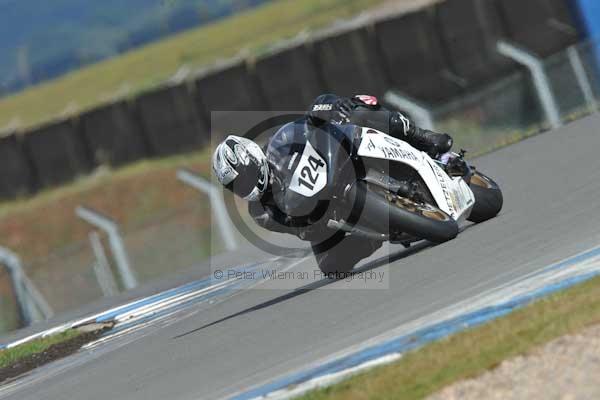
x=251, y=32
x=134, y=195
x=28, y=356
x=13, y=355
x=470, y=353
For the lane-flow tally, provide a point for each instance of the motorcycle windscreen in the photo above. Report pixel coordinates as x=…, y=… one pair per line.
x=311, y=164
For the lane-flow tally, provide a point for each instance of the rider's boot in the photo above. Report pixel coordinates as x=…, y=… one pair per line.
x=430, y=142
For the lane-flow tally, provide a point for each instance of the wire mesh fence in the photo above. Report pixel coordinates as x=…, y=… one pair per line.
x=510, y=108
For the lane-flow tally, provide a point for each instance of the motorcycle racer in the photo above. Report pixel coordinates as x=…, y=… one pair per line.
x=264, y=178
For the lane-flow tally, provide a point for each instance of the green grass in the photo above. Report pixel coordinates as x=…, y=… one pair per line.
x=133, y=195
x=10, y=356
x=465, y=355
x=162, y=220
x=251, y=32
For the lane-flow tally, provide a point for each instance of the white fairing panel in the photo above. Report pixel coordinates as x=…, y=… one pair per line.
x=453, y=196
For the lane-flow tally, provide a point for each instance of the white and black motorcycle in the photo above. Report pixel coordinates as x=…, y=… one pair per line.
x=386, y=190
x=423, y=198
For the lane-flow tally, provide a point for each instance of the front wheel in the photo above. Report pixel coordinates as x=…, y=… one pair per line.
x=386, y=212
x=488, y=198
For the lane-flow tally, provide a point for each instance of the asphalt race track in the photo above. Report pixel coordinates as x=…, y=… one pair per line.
x=551, y=211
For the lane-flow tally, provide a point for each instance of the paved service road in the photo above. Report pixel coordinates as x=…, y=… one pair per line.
x=551, y=189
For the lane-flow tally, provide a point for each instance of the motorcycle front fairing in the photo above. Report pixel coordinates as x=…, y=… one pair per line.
x=452, y=195
x=311, y=167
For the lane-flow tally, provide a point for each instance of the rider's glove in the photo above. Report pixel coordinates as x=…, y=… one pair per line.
x=330, y=108
x=344, y=108
x=455, y=164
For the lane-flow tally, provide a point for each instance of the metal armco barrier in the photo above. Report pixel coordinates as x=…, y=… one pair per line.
x=582, y=78
x=542, y=85
x=32, y=305
x=115, y=240
x=216, y=202
x=104, y=275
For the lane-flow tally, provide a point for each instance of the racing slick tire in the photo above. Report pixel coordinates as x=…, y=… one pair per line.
x=488, y=198
x=388, y=213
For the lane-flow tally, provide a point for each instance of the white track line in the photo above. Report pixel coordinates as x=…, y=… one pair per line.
x=514, y=289
x=331, y=379
x=146, y=311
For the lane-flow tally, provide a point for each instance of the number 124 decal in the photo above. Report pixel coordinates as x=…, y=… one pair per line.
x=310, y=176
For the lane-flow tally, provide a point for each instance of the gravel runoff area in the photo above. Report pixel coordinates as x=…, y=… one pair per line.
x=566, y=368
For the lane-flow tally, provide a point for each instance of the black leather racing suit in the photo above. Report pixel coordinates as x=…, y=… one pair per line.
x=365, y=110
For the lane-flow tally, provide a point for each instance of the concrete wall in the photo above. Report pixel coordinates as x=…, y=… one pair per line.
x=470, y=47
x=114, y=134
x=360, y=72
x=414, y=58
x=289, y=79
x=542, y=26
x=17, y=172
x=171, y=121
x=58, y=153
x=221, y=92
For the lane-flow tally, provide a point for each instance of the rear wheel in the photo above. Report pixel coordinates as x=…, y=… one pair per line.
x=488, y=198
x=387, y=212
